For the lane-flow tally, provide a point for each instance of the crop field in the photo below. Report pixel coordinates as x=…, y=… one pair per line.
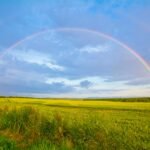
x=74, y=124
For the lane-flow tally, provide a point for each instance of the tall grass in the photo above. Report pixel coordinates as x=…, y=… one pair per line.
x=6, y=144
x=38, y=131
x=55, y=131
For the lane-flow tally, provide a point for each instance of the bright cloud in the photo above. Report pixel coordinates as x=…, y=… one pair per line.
x=35, y=57
x=95, y=49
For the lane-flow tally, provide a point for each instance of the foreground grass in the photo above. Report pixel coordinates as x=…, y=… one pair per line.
x=35, y=124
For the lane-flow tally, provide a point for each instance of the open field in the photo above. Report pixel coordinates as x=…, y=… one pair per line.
x=53, y=124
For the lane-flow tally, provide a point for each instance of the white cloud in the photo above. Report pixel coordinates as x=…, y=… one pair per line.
x=97, y=82
x=95, y=49
x=66, y=81
x=32, y=56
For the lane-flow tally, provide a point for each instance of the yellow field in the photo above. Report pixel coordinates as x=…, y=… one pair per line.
x=77, y=103
x=75, y=124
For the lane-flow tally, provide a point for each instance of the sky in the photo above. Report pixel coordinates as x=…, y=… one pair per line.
x=81, y=48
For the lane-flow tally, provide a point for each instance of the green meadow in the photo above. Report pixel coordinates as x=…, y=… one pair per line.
x=74, y=124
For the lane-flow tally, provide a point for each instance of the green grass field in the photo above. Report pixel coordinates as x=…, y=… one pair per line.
x=71, y=124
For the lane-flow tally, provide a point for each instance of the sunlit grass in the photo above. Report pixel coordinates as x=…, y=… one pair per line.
x=74, y=124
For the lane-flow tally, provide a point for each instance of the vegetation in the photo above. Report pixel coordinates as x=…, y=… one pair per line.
x=48, y=124
x=132, y=99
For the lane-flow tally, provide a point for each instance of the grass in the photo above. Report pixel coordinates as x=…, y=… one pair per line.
x=50, y=124
x=6, y=144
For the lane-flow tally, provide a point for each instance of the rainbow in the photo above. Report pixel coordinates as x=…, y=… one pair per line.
x=98, y=33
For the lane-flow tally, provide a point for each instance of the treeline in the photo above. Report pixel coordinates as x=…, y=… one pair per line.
x=137, y=99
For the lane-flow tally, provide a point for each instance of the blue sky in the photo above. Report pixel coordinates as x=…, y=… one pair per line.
x=68, y=61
